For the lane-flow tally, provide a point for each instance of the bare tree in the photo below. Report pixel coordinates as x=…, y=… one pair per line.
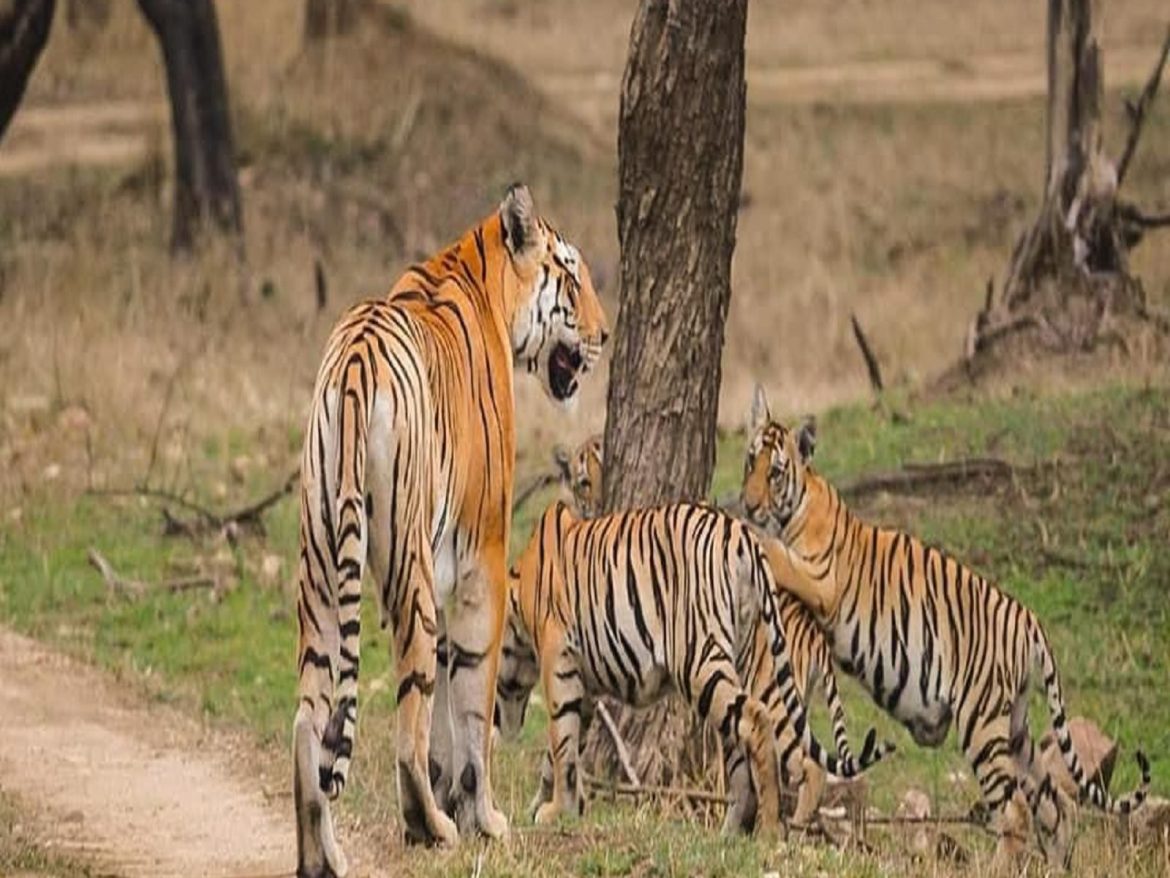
x=1069, y=273
x=24, y=30
x=207, y=192
x=680, y=167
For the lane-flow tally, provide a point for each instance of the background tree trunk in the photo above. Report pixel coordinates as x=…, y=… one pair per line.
x=207, y=192
x=24, y=30
x=331, y=18
x=680, y=167
x=1069, y=273
x=87, y=15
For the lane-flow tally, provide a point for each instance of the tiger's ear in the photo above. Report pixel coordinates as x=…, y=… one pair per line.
x=518, y=220
x=760, y=414
x=806, y=439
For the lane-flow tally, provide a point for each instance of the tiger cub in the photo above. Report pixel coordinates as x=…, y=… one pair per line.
x=638, y=604
x=932, y=641
x=808, y=650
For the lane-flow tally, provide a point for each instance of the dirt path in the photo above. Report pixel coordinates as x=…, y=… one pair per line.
x=138, y=791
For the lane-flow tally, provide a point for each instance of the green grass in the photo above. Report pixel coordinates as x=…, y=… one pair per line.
x=1079, y=536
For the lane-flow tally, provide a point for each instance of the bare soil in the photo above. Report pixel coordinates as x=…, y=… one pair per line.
x=138, y=790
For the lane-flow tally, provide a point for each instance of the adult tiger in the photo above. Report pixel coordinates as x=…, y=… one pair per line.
x=808, y=649
x=931, y=640
x=407, y=464
x=641, y=603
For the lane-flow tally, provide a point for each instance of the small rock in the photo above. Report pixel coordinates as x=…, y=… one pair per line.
x=1150, y=824
x=915, y=805
x=270, y=567
x=1096, y=751
x=239, y=467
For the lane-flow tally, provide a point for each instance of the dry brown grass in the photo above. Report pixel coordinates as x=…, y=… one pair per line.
x=379, y=148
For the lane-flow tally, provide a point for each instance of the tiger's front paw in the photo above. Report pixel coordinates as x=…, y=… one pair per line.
x=547, y=813
x=493, y=823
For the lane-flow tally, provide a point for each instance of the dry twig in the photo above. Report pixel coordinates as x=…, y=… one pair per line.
x=205, y=520
x=871, y=363
x=622, y=752
x=119, y=584
x=1137, y=112
x=116, y=583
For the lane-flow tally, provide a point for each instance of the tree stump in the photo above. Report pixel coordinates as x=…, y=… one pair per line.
x=1068, y=285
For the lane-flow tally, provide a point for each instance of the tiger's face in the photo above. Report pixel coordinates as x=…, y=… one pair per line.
x=581, y=473
x=519, y=670
x=773, y=476
x=558, y=325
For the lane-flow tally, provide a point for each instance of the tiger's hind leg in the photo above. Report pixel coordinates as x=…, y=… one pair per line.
x=742, y=721
x=442, y=753
x=318, y=853
x=415, y=646
x=741, y=813
x=474, y=632
x=1052, y=810
x=989, y=749
x=565, y=694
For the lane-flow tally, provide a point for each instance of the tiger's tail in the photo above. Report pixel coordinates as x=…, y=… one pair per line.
x=351, y=536
x=833, y=699
x=845, y=767
x=1090, y=789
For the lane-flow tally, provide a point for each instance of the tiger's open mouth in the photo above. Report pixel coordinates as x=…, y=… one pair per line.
x=564, y=365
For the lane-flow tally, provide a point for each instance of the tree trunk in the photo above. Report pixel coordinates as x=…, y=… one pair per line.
x=1069, y=273
x=87, y=15
x=24, y=30
x=331, y=18
x=207, y=192
x=680, y=166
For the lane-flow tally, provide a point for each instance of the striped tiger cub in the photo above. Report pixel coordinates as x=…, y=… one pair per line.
x=808, y=649
x=934, y=642
x=641, y=603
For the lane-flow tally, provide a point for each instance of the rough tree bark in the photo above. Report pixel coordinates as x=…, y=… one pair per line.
x=207, y=193
x=332, y=18
x=1069, y=273
x=90, y=15
x=680, y=166
x=24, y=30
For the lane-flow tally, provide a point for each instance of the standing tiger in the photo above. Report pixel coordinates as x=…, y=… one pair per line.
x=807, y=647
x=407, y=464
x=641, y=603
x=931, y=640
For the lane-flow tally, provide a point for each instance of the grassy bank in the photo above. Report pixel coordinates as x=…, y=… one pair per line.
x=1078, y=535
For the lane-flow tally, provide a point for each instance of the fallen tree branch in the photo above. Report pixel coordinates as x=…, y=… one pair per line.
x=119, y=584
x=656, y=792
x=1137, y=112
x=248, y=516
x=622, y=752
x=114, y=582
x=871, y=363
x=917, y=475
